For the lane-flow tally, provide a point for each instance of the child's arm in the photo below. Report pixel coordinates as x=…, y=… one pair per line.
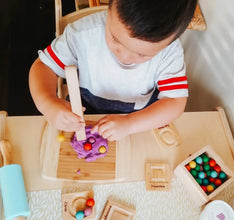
x=160, y=113
x=43, y=88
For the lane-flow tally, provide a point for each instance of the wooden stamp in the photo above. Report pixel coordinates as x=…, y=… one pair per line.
x=116, y=211
x=157, y=176
x=167, y=136
x=74, y=202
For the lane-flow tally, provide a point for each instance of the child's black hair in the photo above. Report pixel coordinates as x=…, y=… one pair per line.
x=154, y=20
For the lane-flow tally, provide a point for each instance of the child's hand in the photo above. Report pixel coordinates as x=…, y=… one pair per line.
x=59, y=114
x=112, y=127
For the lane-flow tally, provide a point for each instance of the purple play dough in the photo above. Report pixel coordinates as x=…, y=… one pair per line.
x=94, y=153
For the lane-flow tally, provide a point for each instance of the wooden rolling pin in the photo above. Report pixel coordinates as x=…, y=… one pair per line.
x=13, y=192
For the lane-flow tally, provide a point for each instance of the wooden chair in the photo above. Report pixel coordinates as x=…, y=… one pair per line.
x=62, y=21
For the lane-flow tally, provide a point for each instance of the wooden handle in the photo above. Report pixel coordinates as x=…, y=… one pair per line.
x=3, y=115
x=5, y=151
x=74, y=94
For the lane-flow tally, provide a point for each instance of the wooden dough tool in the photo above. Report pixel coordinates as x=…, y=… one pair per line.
x=11, y=180
x=75, y=98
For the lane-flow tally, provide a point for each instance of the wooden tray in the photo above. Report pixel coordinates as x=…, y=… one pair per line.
x=59, y=161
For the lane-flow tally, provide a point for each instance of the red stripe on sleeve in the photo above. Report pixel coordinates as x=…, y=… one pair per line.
x=54, y=57
x=173, y=87
x=172, y=80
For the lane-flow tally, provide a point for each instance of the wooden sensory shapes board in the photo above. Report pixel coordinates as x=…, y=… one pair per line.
x=59, y=161
x=73, y=202
x=117, y=211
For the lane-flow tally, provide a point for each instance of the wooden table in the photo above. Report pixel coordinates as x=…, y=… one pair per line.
x=196, y=129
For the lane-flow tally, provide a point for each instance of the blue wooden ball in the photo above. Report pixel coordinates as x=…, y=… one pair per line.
x=79, y=215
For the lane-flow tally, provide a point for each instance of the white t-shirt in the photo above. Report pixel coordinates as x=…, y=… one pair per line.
x=106, y=85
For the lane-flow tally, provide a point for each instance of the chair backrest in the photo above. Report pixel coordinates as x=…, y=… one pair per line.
x=197, y=23
x=62, y=21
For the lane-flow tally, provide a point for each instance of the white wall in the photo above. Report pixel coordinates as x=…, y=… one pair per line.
x=209, y=57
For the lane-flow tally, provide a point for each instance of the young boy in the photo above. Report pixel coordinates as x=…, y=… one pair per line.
x=129, y=61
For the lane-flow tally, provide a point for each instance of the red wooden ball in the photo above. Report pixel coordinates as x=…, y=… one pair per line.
x=188, y=167
x=212, y=162
x=217, y=168
x=211, y=179
x=218, y=182
x=87, y=146
x=90, y=202
x=204, y=188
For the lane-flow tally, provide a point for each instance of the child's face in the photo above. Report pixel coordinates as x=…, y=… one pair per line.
x=129, y=50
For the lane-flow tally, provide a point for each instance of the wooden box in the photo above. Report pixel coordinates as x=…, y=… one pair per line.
x=199, y=196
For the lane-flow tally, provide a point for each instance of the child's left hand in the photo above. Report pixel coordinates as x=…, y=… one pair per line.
x=112, y=127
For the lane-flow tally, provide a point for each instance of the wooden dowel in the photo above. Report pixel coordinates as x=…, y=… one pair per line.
x=75, y=98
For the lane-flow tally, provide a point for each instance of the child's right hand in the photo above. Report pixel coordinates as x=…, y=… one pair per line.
x=59, y=114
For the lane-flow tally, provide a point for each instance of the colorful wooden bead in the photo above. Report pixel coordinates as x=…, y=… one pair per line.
x=192, y=164
x=91, y=140
x=210, y=188
x=205, y=182
x=199, y=181
x=217, y=168
x=213, y=174
x=88, y=211
x=208, y=173
x=205, y=158
x=212, y=162
x=211, y=179
x=193, y=172
x=79, y=215
x=90, y=202
x=87, y=146
x=217, y=182
x=222, y=175
x=198, y=167
x=102, y=149
x=187, y=167
x=204, y=188
x=201, y=175
x=206, y=167
x=60, y=138
x=199, y=160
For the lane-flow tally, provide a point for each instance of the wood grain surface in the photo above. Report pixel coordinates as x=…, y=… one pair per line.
x=73, y=168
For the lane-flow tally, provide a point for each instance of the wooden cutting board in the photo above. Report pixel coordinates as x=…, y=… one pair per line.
x=59, y=161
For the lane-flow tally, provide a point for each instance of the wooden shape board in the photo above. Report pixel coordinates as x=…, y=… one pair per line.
x=157, y=176
x=60, y=162
x=74, y=202
x=116, y=211
x=167, y=136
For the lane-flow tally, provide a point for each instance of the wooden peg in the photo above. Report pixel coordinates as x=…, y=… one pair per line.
x=75, y=98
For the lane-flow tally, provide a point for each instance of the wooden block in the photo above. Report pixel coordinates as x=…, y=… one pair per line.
x=116, y=211
x=157, y=176
x=191, y=185
x=75, y=98
x=167, y=136
x=74, y=202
